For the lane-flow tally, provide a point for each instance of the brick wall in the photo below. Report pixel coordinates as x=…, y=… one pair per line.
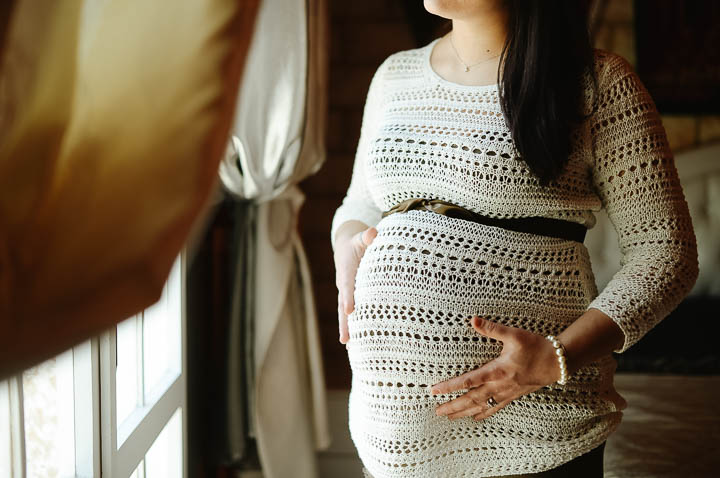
x=616, y=33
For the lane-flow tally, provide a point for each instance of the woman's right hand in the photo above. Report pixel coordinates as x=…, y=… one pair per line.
x=348, y=253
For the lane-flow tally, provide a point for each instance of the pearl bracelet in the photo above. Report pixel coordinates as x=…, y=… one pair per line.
x=560, y=352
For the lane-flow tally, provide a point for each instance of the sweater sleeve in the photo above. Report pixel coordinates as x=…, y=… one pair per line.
x=357, y=203
x=634, y=175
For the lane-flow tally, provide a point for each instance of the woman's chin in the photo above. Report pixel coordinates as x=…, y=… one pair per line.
x=441, y=8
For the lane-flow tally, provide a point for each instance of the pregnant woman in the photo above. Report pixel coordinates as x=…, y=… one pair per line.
x=478, y=342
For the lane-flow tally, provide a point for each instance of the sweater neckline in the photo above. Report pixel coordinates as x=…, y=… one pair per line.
x=433, y=75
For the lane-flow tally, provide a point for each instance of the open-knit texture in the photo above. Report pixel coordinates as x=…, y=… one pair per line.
x=426, y=275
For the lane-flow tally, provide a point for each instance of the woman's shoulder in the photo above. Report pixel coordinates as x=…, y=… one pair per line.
x=404, y=64
x=615, y=81
x=610, y=66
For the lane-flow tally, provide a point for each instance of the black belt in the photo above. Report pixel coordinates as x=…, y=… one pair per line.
x=544, y=226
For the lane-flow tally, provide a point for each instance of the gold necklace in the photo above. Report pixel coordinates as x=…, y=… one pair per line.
x=467, y=67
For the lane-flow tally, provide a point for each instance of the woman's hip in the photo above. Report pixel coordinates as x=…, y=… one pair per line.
x=588, y=465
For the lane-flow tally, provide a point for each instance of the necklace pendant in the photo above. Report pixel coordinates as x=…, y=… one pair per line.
x=467, y=68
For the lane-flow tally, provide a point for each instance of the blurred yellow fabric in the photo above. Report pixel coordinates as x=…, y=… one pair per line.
x=114, y=115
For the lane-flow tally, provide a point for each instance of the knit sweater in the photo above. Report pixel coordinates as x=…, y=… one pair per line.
x=425, y=275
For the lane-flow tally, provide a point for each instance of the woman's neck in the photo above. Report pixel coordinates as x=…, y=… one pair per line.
x=480, y=37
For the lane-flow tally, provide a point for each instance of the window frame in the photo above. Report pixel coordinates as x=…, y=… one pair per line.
x=144, y=424
x=94, y=365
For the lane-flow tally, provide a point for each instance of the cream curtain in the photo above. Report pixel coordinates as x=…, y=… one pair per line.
x=114, y=116
x=277, y=140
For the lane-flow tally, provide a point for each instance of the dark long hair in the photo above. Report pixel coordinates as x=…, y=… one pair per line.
x=546, y=61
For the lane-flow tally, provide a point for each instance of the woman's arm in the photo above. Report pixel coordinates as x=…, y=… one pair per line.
x=357, y=206
x=593, y=335
x=634, y=175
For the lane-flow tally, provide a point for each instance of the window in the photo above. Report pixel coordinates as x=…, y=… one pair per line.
x=55, y=419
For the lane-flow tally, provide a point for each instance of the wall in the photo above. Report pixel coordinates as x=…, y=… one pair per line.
x=616, y=33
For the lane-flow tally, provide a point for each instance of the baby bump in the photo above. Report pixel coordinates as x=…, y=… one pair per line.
x=419, y=283
x=425, y=275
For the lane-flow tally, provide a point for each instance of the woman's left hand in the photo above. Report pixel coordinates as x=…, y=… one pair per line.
x=527, y=362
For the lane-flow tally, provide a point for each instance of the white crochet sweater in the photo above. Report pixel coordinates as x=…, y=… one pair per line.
x=423, y=136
